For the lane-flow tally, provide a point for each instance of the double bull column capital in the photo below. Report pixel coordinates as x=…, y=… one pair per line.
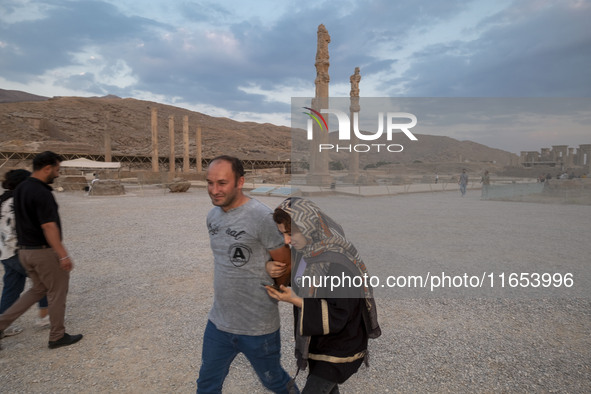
x=319, y=174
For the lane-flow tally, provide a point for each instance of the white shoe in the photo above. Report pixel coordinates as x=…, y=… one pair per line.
x=42, y=322
x=12, y=330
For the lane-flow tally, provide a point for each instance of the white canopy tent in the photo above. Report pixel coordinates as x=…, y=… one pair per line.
x=86, y=164
x=88, y=168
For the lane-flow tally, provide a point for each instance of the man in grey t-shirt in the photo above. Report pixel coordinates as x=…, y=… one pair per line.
x=243, y=318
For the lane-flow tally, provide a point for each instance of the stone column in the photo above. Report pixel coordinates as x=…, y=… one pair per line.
x=198, y=153
x=108, y=156
x=319, y=174
x=570, y=158
x=155, y=165
x=171, y=158
x=354, y=108
x=186, y=143
x=585, y=159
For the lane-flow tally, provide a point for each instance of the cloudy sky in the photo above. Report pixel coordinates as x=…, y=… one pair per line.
x=246, y=59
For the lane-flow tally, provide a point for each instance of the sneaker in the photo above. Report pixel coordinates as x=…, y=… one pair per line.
x=42, y=322
x=11, y=331
x=66, y=340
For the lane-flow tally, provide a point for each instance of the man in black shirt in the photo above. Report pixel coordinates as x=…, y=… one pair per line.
x=42, y=252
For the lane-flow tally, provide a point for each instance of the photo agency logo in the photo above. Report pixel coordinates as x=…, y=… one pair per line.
x=395, y=122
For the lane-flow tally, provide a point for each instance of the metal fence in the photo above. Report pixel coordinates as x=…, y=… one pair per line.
x=557, y=191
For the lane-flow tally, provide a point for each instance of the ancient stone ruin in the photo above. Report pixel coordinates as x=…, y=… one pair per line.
x=178, y=185
x=106, y=187
x=561, y=156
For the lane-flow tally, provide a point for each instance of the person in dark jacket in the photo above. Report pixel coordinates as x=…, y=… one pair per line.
x=332, y=323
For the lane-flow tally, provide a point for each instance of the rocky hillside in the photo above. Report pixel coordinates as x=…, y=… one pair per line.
x=78, y=125
x=15, y=96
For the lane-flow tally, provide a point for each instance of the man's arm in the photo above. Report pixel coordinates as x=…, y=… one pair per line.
x=282, y=255
x=52, y=235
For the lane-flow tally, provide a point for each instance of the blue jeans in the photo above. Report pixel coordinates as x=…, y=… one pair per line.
x=220, y=348
x=14, y=283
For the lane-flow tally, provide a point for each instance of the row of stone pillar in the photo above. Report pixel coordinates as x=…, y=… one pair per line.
x=172, y=155
x=155, y=152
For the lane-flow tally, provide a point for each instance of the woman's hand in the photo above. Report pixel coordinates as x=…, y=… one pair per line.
x=284, y=294
x=276, y=269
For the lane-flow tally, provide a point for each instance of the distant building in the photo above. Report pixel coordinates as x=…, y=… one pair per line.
x=558, y=156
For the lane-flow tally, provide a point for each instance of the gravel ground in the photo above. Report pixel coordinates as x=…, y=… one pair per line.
x=142, y=287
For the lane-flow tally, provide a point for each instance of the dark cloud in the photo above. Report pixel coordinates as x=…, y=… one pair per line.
x=208, y=53
x=33, y=47
x=542, y=55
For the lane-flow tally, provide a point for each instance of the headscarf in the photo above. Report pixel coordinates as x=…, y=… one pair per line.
x=327, y=245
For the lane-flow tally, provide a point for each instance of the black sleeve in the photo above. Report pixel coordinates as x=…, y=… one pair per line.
x=322, y=316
